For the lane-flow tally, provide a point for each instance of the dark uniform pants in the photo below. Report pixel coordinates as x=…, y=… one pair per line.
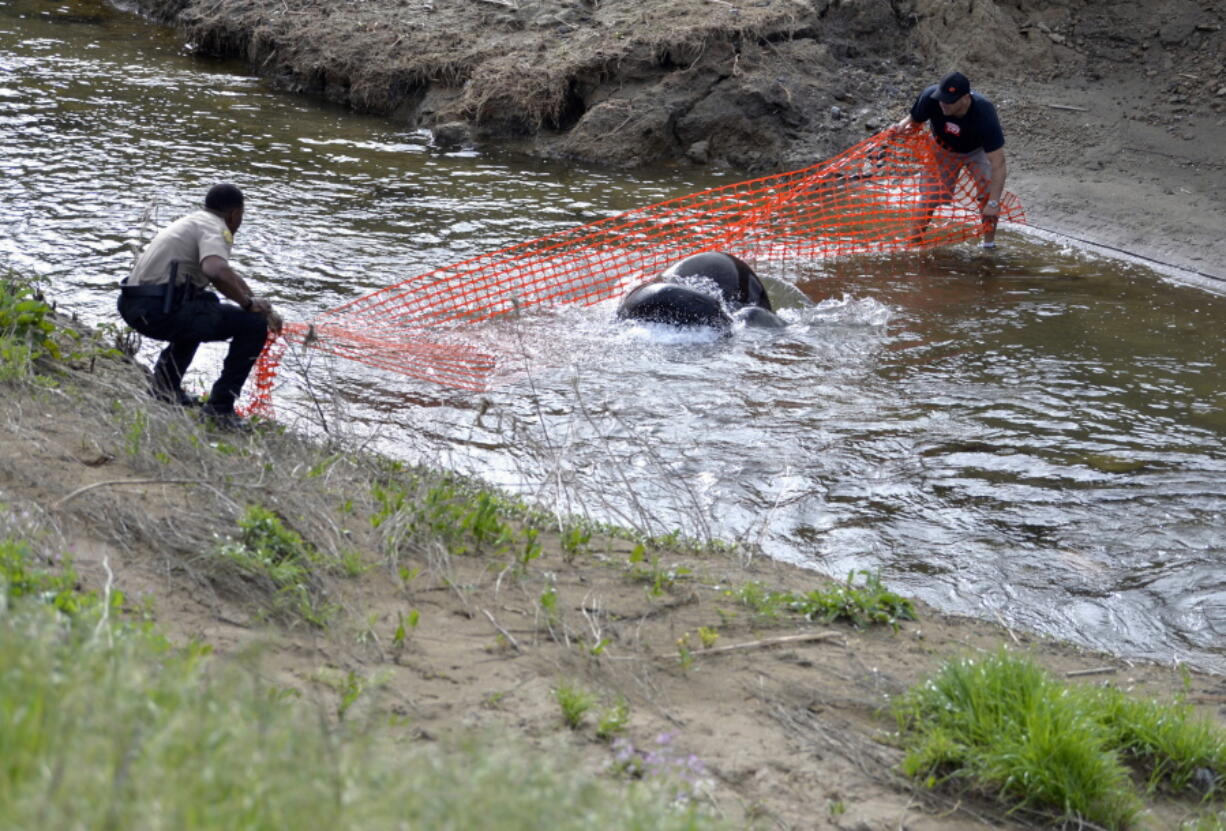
x=196, y=320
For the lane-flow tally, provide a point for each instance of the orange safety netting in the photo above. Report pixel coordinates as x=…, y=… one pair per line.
x=871, y=198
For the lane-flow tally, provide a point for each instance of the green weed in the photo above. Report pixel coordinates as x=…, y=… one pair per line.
x=128, y=732
x=405, y=623
x=1164, y=742
x=861, y=605
x=685, y=652
x=465, y=519
x=391, y=501
x=19, y=578
x=574, y=702
x=574, y=541
x=613, y=720
x=1003, y=726
x=266, y=548
x=549, y=605
x=763, y=602
x=659, y=579
x=351, y=563
x=348, y=686
x=27, y=332
x=1208, y=822
x=134, y=435
x=323, y=466
x=531, y=549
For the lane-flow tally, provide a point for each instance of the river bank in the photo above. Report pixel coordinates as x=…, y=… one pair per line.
x=789, y=733
x=393, y=591
x=1111, y=114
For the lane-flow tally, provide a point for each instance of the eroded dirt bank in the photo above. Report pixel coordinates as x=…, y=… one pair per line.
x=1113, y=111
x=779, y=722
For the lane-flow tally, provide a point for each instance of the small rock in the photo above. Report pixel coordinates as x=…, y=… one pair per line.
x=699, y=152
x=452, y=134
x=1204, y=780
x=837, y=112
x=1221, y=91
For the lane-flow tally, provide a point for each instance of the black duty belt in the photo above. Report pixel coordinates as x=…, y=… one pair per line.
x=166, y=291
x=155, y=290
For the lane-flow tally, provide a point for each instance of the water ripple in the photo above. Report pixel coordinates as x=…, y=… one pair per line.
x=1037, y=436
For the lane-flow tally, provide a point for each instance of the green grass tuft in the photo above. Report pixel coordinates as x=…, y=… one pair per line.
x=265, y=548
x=574, y=702
x=20, y=578
x=861, y=605
x=1005, y=727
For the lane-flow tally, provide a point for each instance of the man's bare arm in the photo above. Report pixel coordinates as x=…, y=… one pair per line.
x=996, y=187
x=233, y=286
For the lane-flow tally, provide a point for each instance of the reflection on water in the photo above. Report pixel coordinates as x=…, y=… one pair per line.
x=1035, y=435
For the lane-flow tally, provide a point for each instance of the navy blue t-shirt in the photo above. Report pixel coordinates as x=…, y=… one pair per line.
x=978, y=128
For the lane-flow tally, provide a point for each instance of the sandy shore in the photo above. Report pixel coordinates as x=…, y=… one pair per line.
x=778, y=721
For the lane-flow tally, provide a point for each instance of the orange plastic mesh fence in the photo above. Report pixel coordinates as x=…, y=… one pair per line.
x=871, y=198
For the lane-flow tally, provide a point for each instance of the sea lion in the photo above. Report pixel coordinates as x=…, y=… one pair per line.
x=661, y=302
x=736, y=280
x=709, y=289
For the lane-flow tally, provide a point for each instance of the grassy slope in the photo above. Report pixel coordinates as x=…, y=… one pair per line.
x=372, y=590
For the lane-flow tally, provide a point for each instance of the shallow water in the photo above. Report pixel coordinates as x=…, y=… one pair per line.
x=1036, y=435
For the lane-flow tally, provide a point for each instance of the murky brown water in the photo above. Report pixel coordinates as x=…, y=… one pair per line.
x=1039, y=435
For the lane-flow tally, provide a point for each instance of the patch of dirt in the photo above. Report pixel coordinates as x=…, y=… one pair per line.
x=790, y=732
x=1113, y=112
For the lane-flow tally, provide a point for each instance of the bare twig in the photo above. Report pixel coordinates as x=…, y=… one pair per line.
x=59, y=503
x=510, y=638
x=1067, y=107
x=809, y=636
x=1207, y=698
x=1000, y=619
x=115, y=482
x=1077, y=673
x=591, y=613
x=106, y=601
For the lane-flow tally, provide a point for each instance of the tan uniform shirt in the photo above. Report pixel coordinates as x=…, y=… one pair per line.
x=188, y=241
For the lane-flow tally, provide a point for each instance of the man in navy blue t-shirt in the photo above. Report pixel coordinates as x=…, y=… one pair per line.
x=968, y=135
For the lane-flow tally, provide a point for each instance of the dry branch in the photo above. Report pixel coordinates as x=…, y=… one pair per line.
x=59, y=503
x=510, y=638
x=1078, y=673
x=810, y=636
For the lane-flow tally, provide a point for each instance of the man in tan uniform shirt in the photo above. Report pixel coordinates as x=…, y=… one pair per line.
x=168, y=297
